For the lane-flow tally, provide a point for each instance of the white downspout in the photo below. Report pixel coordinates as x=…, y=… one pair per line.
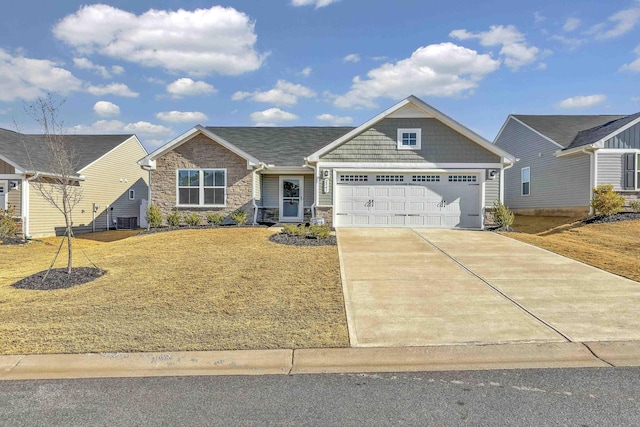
x=253, y=184
x=315, y=188
x=502, y=179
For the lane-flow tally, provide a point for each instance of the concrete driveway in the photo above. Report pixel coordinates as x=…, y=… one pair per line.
x=415, y=287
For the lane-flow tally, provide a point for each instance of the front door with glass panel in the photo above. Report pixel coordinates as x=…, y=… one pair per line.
x=291, y=209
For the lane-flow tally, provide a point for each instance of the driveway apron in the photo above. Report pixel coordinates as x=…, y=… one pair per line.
x=582, y=302
x=400, y=290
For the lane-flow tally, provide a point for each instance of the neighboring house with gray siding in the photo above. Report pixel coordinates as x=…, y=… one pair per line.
x=561, y=158
x=409, y=166
x=113, y=185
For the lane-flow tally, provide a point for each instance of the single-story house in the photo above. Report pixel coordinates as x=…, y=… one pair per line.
x=113, y=186
x=411, y=165
x=562, y=158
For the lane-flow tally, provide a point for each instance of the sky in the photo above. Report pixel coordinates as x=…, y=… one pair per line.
x=158, y=68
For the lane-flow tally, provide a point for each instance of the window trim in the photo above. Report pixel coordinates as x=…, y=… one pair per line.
x=418, y=133
x=522, y=181
x=132, y=194
x=201, y=188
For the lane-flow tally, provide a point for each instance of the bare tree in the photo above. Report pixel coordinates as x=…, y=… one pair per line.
x=56, y=179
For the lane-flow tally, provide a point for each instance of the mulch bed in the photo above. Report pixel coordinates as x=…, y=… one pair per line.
x=59, y=279
x=622, y=216
x=14, y=241
x=288, y=239
x=496, y=229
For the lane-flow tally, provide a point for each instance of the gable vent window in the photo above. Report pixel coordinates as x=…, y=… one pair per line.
x=354, y=178
x=463, y=178
x=409, y=139
x=389, y=178
x=426, y=178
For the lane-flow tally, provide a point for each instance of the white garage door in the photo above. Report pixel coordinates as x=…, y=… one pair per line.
x=415, y=200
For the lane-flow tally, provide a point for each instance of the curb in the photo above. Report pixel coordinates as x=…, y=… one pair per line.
x=317, y=361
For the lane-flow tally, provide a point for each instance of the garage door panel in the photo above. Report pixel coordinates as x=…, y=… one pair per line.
x=441, y=203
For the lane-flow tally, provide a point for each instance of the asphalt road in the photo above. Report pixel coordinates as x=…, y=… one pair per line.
x=549, y=397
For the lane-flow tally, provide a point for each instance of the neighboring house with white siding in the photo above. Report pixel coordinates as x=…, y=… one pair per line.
x=113, y=185
x=411, y=165
x=561, y=158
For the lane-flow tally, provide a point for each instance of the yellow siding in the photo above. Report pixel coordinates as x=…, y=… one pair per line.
x=14, y=196
x=108, y=182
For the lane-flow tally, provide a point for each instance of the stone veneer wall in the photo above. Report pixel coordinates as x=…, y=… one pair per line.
x=326, y=213
x=198, y=153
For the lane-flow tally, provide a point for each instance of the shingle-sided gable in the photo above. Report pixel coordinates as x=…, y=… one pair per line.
x=439, y=144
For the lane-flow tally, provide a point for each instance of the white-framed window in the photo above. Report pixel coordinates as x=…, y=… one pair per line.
x=202, y=187
x=132, y=194
x=463, y=178
x=525, y=179
x=409, y=139
x=389, y=178
x=425, y=178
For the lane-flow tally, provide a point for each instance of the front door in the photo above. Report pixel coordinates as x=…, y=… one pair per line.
x=291, y=191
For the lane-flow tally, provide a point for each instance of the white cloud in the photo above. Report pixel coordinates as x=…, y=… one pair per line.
x=515, y=49
x=86, y=64
x=317, y=3
x=380, y=58
x=283, y=93
x=581, y=101
x=199, y=42
x=272, y=115
x=182, y=116
x=617, y=24
x=188, y=87
x=116, y=126
x=335, y=120
x=305, y=72
x=117, y=89
x=27, y=78
x=570, y=42
x=443, y=69
x=635, y=98
x=538, y=17
x=352, y=57
x=571, y=24
x=106, y=109
x=635, y=65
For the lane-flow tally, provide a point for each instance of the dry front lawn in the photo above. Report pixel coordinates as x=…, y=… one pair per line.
x=614, y=247
x=184, y=290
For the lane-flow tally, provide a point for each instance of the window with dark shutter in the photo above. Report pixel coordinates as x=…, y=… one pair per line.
x=629, y=171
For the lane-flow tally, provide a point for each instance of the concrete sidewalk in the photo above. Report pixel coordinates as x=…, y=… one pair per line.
x=309, y=361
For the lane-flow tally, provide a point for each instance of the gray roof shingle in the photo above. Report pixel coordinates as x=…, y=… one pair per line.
x=280, y=146
x=30, y=152
x=595, y=134
x=565, y=129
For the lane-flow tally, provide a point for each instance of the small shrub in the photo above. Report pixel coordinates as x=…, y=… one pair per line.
x=173, y=219
x=239, y=217
x=192, y=219
x=320, y=231
x=502, y=215
x=294, y=230
x=215, y=218
x=635, y=205
x=606, y=201
x=153, y=216
x=8, y=225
